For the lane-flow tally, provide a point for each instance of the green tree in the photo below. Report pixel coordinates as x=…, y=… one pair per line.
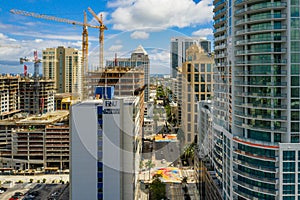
x=149, y=164
x=157, y=189
x=189, y=152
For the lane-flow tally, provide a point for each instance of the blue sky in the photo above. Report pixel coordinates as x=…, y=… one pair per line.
x=130, y=23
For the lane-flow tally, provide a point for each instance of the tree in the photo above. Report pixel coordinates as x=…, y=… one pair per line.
x=189, y=152
x=149, y=164
x=157, y=188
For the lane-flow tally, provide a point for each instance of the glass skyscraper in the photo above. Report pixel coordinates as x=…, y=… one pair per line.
x=256, y=98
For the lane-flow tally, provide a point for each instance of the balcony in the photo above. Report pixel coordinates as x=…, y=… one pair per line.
x=261, y=29
x=221, y=29
x=260, y=83
x=261, y=18
x=262, y=127
x=261, y=73
x=260, y=117
x=260, y=62
x=261, y=40
x=257, y=7
x=256, y=167
x=254, y=177
x=256, y=188
x=261, y=51
x=260, y=94
x=260, y=106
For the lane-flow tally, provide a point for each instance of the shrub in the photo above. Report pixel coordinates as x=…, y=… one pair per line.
x=31, y=180
x=38, y=181
x=44, y=180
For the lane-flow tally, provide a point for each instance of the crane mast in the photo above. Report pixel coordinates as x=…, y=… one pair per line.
x=102, y=28
x=85, y=26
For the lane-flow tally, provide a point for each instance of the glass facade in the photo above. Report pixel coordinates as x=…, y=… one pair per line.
x=256, y=98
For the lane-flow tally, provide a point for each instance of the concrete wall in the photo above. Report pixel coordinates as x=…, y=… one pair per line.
x=83, y=165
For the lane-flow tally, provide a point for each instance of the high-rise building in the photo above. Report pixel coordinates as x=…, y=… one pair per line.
x=139, y=59
x=197, y=82
x=106, y=143
x=256, y=99
x=63, y=65
x=9, y=98
x=36, y=97
x=178, y=48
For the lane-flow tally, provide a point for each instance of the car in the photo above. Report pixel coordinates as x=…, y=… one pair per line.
x=14, y=198
x=19, y=194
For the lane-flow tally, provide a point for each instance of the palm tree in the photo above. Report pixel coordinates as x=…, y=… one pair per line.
x=149, y=164
x=189, y=152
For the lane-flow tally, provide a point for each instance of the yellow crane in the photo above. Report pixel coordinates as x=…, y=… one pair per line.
x=102, y=27
x=85, y=26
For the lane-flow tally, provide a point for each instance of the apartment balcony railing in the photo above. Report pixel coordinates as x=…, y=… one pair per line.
x=260, y=29
x=260, y=117
x=256, y=188
x=257, y=167
x=223, y=28
x=255, y=177
x=260, y=105
x=265, y=5
x=216, y=5
x=261, y=51
x=261, y=127
x=261, y=40
x=263, y=72
x=255, y=156
x=260, y=83
x=264, y=17
x=259, y=94
x=249, y=62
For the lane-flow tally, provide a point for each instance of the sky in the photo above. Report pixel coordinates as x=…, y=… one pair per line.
x=130, y=23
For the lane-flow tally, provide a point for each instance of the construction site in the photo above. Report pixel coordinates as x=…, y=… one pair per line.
x=35, y=142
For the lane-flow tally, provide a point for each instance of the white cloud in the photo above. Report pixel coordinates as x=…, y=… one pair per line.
x=118, y=3
x=115, y=48
x=139, y=35
x=203, y=32
x=143, y=14
x=38, y=40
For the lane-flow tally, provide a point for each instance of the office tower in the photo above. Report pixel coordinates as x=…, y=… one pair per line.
x=63, y=65
x=178, y=48
x=105, y=147
x=196, y=86
x=138, y=59
x=256, y=99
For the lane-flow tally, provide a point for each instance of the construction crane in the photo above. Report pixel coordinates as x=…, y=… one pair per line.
x=85, y=26
x=102, y=28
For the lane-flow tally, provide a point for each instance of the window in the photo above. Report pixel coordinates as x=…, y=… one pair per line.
x=289, y=155
x=289, y=166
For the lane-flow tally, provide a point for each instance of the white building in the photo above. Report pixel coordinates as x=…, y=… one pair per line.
x=105, y=148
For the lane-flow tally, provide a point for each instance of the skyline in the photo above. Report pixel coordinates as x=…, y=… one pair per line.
x=130, y=23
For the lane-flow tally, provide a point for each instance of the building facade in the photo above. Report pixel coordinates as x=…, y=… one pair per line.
x=33, y=142
x=36, y=96
x=256, y=99
x=197, y=82
x=9, y=96
x=139, y=59
x=178, y=48
x=63, y=65
x=106, y=143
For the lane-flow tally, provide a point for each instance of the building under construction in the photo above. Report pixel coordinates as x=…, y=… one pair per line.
x=36, y=98
x=126, y=81
x=9, y=95
x=35, y=142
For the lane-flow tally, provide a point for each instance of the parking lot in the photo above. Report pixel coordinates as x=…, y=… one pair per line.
x=39, y=187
